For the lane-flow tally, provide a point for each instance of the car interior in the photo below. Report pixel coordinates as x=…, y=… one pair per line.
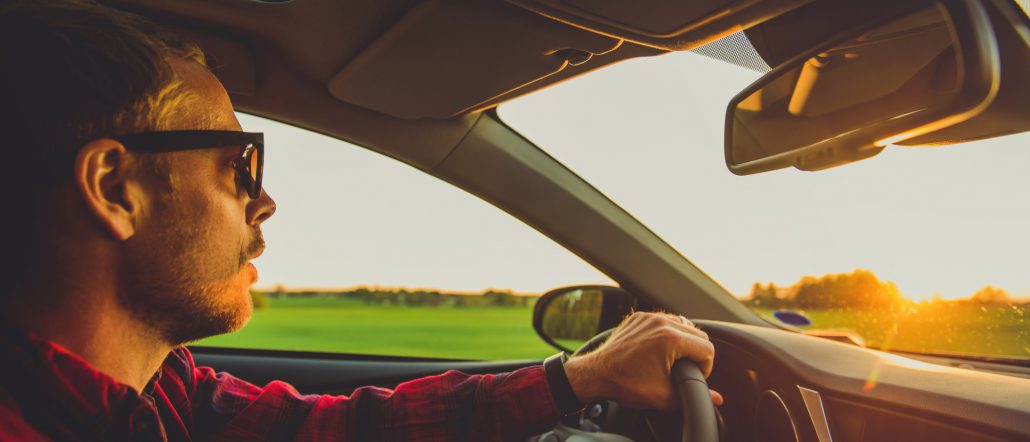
x=419, y=82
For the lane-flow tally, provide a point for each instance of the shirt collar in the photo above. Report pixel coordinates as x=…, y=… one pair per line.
x=148, y=390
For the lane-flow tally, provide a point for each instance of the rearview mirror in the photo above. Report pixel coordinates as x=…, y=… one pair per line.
x=928, y=68
x=568, y=317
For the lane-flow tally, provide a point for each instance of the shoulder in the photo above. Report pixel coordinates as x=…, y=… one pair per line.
x=12, y=425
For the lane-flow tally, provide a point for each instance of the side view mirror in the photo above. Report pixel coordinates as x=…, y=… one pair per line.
x=568, y=317
x=920, y=70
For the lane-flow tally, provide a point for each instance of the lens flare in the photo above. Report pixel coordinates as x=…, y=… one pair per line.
x=874, y=376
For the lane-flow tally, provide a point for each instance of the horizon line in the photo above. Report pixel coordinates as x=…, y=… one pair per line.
x=513, y=292
x=324, y=289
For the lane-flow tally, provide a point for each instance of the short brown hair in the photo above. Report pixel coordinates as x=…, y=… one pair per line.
x=72, y=71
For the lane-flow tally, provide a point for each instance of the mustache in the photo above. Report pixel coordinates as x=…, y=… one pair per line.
x=254, y=249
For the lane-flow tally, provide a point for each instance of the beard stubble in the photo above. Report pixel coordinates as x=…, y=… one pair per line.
x=180, y=285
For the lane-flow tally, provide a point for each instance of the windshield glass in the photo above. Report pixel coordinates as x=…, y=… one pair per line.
x=919, y=249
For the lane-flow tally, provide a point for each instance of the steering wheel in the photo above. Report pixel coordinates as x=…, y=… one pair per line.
x=699, y=420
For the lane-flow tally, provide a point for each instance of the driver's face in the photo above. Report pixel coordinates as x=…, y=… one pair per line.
x=187, y=267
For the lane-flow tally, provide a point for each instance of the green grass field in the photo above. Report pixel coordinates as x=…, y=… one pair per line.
x=348, y=326
x=496, y=333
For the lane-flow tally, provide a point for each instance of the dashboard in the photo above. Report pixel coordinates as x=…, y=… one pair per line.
x=784, y=386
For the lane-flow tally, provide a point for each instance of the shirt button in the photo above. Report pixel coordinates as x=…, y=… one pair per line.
x=142, y=424
x=141, y=427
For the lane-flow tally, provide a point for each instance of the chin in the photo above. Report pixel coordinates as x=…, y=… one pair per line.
x=227, y=310
x=244, y=311
x=237, y=309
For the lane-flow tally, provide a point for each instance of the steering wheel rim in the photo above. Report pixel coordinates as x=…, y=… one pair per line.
x=700, y=423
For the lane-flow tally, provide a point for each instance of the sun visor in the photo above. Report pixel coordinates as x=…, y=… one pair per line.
x=675, y=25
x=447, y=57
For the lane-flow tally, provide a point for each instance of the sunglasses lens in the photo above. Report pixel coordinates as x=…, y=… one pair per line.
x=254, y=165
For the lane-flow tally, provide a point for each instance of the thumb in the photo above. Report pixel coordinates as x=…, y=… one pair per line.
x=716, y=397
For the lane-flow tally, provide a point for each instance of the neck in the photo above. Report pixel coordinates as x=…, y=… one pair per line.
x=86, y=319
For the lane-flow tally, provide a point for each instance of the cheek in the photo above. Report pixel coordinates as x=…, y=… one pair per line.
x=208, y=235
x=226, y=233
x=204, y=217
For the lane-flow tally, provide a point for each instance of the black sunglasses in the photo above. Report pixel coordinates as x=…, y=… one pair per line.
x=249, y=166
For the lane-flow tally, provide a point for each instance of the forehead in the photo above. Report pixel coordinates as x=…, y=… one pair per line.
x=209, y=106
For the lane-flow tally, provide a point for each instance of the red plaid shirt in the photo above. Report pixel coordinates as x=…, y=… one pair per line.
x=48, y=393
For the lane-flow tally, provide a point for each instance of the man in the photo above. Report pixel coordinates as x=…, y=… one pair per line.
x=134, y=207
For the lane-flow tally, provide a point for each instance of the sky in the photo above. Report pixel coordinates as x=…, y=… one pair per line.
x=648, y=133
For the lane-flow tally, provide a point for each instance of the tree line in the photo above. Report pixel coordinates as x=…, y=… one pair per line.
x=858, y=289
x=401, y=297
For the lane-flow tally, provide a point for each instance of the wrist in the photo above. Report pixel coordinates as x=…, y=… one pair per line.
x=583, y=379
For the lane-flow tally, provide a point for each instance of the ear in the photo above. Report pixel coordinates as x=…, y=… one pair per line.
x=103, y=180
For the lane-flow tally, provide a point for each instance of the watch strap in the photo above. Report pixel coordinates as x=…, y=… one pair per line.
x=561, y=390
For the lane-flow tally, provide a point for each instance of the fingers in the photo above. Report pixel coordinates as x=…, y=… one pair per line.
x=697, y=349
x=692, y=330
x=700, y=349
x=683, y=324
x=639, y=319
x=684, y=340
x=716, y=398
x=685, y=321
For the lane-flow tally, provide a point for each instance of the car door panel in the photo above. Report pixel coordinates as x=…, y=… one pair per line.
x=325, y=373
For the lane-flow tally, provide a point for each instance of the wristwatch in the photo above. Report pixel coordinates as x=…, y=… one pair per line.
x=561, y=390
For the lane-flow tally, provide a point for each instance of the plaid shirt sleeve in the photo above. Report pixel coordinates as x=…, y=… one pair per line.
x=450, y=406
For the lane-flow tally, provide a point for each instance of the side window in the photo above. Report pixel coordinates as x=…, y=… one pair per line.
x=368, y=255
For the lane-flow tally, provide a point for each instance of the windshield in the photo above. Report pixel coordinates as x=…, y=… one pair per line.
x=919, y=249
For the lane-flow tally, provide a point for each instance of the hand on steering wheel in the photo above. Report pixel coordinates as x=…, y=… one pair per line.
x=632, y=365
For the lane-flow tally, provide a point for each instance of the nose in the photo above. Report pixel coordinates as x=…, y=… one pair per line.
x=260, y=209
